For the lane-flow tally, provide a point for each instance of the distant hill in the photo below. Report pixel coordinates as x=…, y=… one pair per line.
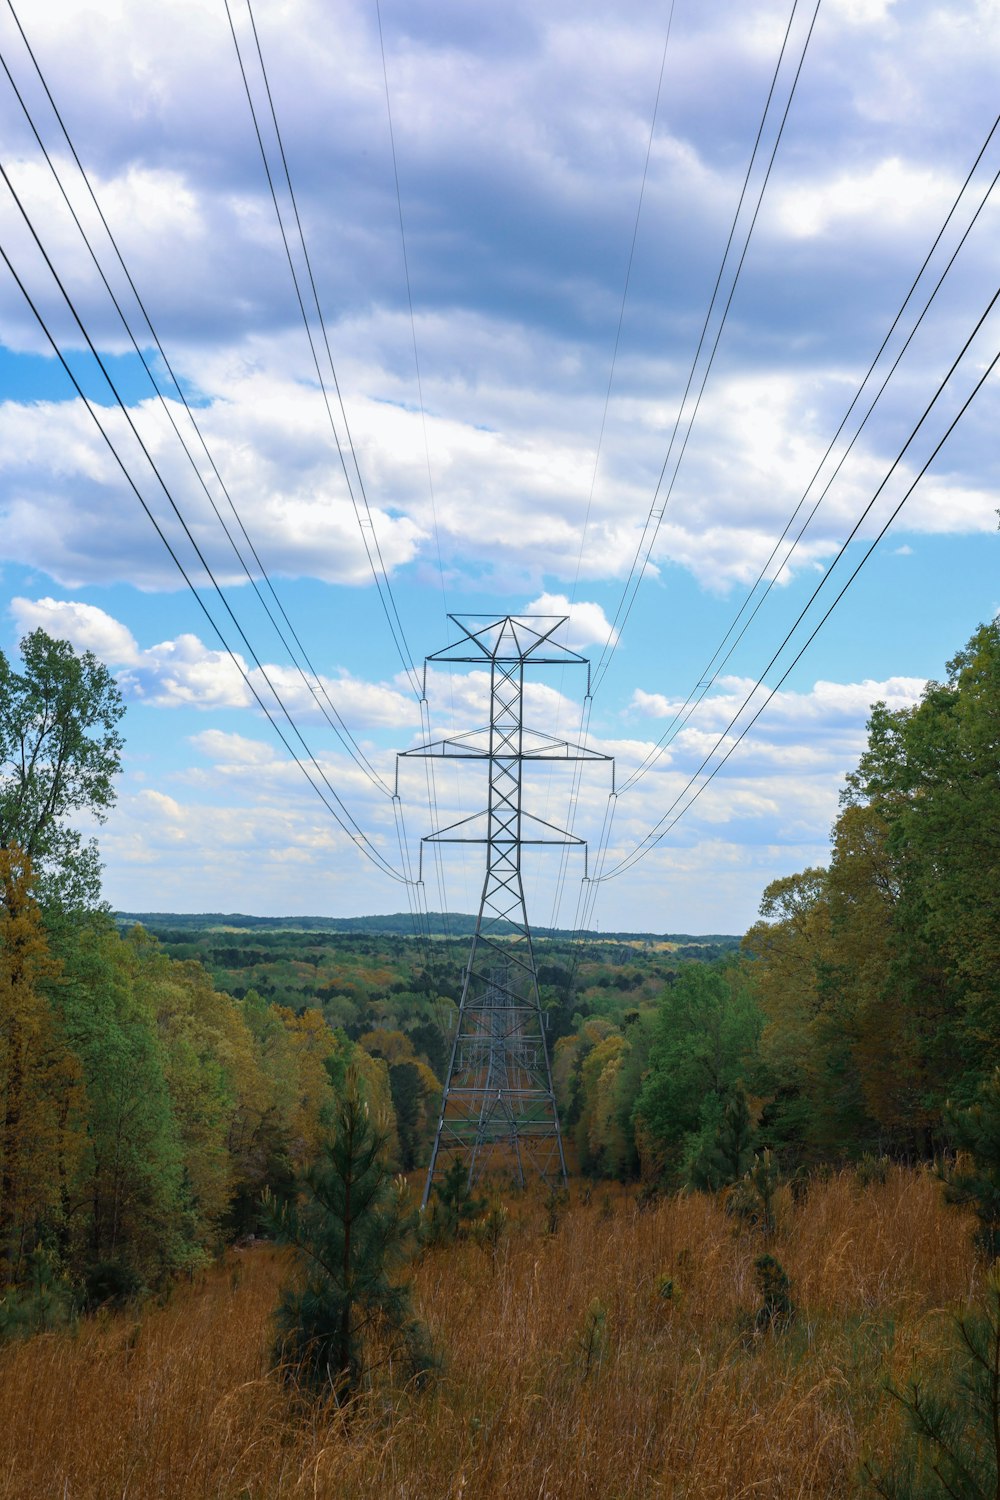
x=398, y=924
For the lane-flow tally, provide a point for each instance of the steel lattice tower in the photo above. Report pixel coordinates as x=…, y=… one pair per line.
x=498, y=1108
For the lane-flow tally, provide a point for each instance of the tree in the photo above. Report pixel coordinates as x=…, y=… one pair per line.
x=414, y=1090
x=453, y=1206
x=719, y=1154
x=351, y=1231
x=933, y=773
x=128, y=1200
x=59, y=753
x=705, y=1042
x=951, y=1447
x=40, y=1085
x=974, y=1177
x=880, y=977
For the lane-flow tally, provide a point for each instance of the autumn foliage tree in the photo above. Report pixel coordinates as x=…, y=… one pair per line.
x=880, y=976
x=40, y=1079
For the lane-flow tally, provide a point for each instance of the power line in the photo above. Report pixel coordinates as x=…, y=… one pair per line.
x=379, y=571
x=715, y=666
x=344, y=817
x=425, y=723
x=409, y=300
x=635, y=571
x=372, y=547
x=588, y=894
x=625, y=290
x=588, y=700
x=655, y=519
x=664, y=824
x=330, y=713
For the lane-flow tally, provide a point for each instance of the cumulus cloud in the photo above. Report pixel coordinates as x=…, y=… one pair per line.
x=515, y=242
x=66, y=508
x=85, y=626
x=185, y=673
x=827, y=702
x=587, y=623
x=892, y=193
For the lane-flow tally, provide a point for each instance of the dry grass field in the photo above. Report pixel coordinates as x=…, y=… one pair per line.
x=568, y=1370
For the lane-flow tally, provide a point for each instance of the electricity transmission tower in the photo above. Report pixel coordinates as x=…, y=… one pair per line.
x=498, y=1110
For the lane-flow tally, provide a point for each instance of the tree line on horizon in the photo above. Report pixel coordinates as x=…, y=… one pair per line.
x=393, y=924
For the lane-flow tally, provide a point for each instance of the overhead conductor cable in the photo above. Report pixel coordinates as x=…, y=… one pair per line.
x=344, y=817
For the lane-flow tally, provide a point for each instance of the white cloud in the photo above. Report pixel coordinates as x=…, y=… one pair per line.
x=863, y=12
x=86, y=627
x=184, y=672
x=588, y=625
x=234, y=749
x=827, y=703
x=66, y=509
x=892, y=194
x=513, y=376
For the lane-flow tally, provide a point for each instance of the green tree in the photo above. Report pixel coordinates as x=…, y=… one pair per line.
x=880, y=977
x=705, y=1043
x=352, y=1230
x=975, y=1177
x=933, y=774
x=720, y=1153
x=59, y=753
x=453, y=1208
x=128, y=1201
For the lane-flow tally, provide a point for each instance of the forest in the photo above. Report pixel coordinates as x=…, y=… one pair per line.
x=167, y=1088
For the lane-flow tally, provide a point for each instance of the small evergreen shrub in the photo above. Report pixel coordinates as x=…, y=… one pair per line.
x=872, y=1170
x=352, y=1230
x=112, y=1283
x=556, y=1204
x=491, y=1229
x=592, y=1340
x=752, y=1200
x=974, y=1176
x=453, y=1208
x=777, y=1310
x=951, y=1447
x=43, y=1303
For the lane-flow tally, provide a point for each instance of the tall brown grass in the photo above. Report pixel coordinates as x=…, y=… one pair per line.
x=673, y=1394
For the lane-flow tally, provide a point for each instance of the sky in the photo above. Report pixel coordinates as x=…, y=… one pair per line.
x=567, y=424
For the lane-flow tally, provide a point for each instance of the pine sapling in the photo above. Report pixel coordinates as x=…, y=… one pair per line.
x=952, y=1444
x=556, y=1203
x=491, y=1228
x=975, y=1178
x=352, y=1229
x=453, y=1208
x=777, y=1309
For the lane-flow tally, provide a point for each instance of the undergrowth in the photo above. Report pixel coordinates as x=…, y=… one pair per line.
x=605, y=1355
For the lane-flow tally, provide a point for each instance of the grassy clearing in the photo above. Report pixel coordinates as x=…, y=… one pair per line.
x=613, y=1358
